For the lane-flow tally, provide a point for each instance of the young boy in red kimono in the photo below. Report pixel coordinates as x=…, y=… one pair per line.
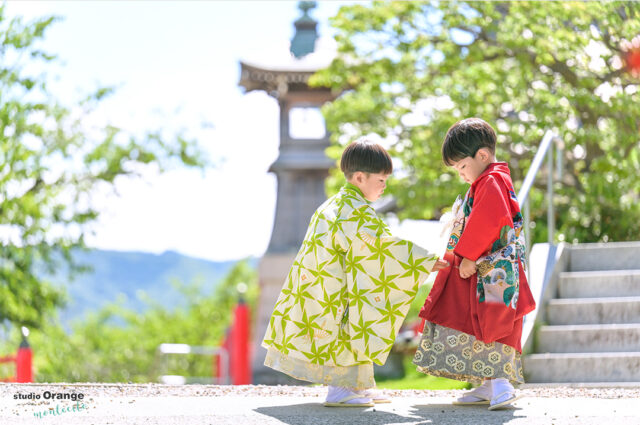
x=475, y=309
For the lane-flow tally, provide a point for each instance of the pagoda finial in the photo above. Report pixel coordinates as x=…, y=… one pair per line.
x=304, y=40
x=306, y=6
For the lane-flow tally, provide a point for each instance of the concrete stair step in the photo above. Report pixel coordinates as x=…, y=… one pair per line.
x=605, y=256
x=582, y=367
x=582, y=311
x=602, y=283
x=599, y=384
x=588, y=338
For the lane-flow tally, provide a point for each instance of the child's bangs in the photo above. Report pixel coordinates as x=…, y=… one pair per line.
x=453, y=150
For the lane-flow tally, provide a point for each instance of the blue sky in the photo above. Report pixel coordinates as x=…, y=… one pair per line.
x=176, y=65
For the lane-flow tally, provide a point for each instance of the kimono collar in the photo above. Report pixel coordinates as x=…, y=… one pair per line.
x=493, y=168
x=354, y=190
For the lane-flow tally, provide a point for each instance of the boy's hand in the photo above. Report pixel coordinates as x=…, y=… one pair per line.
x=439, y=265
x=467, y=268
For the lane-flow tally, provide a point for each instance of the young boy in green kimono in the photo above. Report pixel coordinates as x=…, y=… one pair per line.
x=349, y=288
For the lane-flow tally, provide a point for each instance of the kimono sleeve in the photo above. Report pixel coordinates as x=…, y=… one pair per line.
x=489, y=214
x=383, y=273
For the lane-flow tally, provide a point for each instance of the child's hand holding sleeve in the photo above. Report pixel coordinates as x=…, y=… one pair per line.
x=467, y=268
x=439, y=265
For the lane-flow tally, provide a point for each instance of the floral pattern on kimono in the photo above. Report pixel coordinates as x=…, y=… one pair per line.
x=498, y=271
x=498, y=274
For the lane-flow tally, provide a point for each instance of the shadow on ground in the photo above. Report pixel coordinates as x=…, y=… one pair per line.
x=317, y=414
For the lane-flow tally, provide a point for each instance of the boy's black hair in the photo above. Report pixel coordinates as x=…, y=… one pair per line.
x=465, y=138
x=366, y=156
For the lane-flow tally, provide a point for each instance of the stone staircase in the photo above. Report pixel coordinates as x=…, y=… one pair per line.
x=588, y=324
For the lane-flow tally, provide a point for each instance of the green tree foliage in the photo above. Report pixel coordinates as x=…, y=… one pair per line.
x=119, y=345
x=409, y=70
x=50, y=167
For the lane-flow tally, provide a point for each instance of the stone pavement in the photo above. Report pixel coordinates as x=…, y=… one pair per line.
x=124, y=404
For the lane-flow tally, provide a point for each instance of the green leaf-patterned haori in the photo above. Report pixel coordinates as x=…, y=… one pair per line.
x=346, y=295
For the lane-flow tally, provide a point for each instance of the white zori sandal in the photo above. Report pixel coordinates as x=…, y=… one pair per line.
x=502, y=394
x=345, y=397
x=475, y=397
x=503, y=400
x=376, y=396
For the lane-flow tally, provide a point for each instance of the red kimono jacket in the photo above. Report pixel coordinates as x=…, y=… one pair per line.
x=491, y=304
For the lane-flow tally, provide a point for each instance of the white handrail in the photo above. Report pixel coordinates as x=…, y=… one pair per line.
x=545, y=149
x=523, y=195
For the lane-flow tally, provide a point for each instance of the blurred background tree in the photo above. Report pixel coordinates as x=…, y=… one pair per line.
x=51, y=166
x=410, y=70
x=117, y=344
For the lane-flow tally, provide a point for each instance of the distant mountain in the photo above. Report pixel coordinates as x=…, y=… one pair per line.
x=116, y=273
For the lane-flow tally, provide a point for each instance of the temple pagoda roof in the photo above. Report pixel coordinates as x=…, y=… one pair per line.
x=276, y=70
x=267, y=75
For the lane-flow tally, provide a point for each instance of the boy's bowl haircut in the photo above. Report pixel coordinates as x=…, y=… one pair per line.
x=366, y=156
x=465, y=138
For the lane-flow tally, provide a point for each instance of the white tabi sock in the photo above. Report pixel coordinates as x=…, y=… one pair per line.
x=501, y=390
x=337, y=394
x=483, y=392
